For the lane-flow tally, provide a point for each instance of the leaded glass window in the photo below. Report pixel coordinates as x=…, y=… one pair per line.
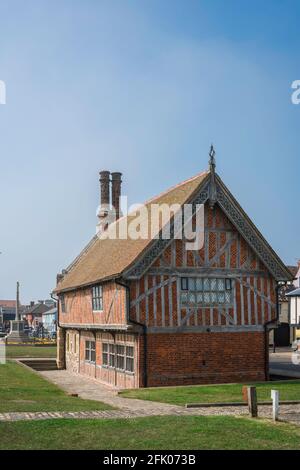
x=205, y=291
x=118, y=356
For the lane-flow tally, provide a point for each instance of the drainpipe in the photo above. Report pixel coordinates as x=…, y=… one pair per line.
x=267, y=335
x=57, y=302
x=56, y=299
x=95, y=338
x=79, y=350
x=131, y=320
x=115, y=349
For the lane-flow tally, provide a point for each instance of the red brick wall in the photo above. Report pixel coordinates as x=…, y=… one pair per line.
x=79, y=306
x=199, y=358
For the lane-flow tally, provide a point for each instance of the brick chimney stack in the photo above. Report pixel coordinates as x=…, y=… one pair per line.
x=104, y=188
x=104, y=213
x=116, y=192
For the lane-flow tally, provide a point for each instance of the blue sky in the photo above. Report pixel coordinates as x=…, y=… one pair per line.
x=142, y=87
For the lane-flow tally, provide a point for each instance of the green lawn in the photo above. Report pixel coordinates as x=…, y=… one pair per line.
x=192, y=432
x=288, y=390
x=23, y=390
x=30, y=351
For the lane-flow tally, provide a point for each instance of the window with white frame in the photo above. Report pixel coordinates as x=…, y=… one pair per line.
x=97, y=298
x=90, y=351
x=205, y=291
x=118, y=356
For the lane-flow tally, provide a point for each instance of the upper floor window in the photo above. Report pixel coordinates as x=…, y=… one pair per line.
x=205, y=291
x=63, y=303
x=97, y=298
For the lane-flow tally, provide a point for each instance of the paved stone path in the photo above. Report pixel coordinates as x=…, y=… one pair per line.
x=90, y=389
x=126, y=408
x=108, y=414
x=287, y=413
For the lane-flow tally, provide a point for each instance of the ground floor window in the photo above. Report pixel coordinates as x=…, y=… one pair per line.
x=111, y=355
x=105, y=354
x=129, y=358
x=120, y=349
x=118, y=356
x=90, y=351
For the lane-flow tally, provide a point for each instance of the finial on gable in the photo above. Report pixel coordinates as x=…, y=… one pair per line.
x=212, y=185
x=212, y=160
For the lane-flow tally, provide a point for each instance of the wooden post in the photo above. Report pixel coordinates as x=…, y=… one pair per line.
x=275, y=399
x=2, y=351
x=245, y=393
x=252, y=401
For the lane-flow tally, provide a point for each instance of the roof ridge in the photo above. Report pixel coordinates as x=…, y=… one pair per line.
x=163, y=193
x=176, y=186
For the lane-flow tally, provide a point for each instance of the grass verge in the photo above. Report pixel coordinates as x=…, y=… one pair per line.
x=288, y=390
x=23, y=390
x=193, y=432
x=30, y=351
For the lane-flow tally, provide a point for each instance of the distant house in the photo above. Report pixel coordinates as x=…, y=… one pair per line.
x=294, y=297
x=294, y=307
x=8, y=312
x=49, y=320
x=284, y=334
x=49, y=302
x=297, y=276
x=294, y=311
x=33, y=313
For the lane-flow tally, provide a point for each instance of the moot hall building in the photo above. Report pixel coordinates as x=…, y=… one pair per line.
x=148, y=312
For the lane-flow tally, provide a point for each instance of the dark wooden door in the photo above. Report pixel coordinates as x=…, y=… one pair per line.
x=282, y=335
